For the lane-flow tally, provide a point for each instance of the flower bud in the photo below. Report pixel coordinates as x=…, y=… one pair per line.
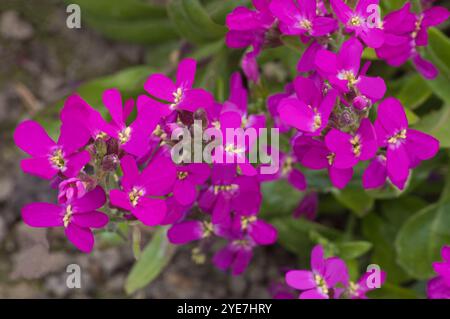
x=70, y=189
x=308, y=206
x=110, y=162
x=360, y=102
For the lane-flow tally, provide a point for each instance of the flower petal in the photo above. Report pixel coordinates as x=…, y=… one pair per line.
x=300, y=279
x=92, y=219
x=150, y=211
x=30, y=137
x=42, y=215
x=161, y=87
x=91, y=201
x=81, y=237
x=39, y=166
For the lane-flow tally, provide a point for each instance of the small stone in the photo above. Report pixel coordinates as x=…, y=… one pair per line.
x=13, y=27
x=6, y=188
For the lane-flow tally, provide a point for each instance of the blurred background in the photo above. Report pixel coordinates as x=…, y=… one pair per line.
x=119, y=44
x=42, y=61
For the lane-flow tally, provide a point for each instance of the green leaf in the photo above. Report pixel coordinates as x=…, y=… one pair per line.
x=438, y=51
x=382, y=235
x=279, y=198
x=414, y=92
x=119, y=9
x=296, y=234
x=421, y=238
x=193, y=22
x=437, y=124
x=151, y=262
x=390, y=291
x=352, y=249
x=149, y=31
x=355, y=199
x=129, y=81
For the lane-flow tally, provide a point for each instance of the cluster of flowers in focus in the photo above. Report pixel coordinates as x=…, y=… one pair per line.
x=118, y=166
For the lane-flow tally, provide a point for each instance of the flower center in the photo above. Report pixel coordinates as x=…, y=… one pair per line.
x=134, y=196
x=247, y=221
x=398, y=137
x=321, y=284
x=57, y=159
x=225, y=188
x=230, y=148
x=349, y=76
x=101, y=135
x=317, y=123
x=287, y=166
x=356, y=145
x=182, y=175
x=305, y=24
x=330, y=158
x=352, y=288
x=68, y=216
x=208, y=229
x=177, y=96
x=355, y=21
x=125, y=135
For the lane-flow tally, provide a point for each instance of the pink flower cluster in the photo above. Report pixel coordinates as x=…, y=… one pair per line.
x=329, y=102
x=329, y=279
x=117, y=166
x=439, y=286
x=128, y=157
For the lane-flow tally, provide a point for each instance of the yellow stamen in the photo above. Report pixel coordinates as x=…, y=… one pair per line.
x=182, y=175
x=247, y=221
x=349, y=76
x=398, y=137
x=57, y=159
x=330, y=158
x=125, y=135
x=287, y=166
x=321, y=284
x=177, y=96
x=317, y=122
x=356, y=144
x=134, y=195
x=355, y=21
x=225, y=188
x=68, y=216
x=230, y=148
x=305, y=24
x=208, y=229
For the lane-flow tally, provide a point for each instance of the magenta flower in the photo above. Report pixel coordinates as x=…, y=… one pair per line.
x=343, y=71
x=359, y=289
x=306, y=61
x=179, y=95
x=349, y=149
x=315, y=155
x=405, y=31
x=188, y=177
x=71, y=189
x=325, y=274
x=235, y=256
x=376, y=173
x=439, y=286
x=309, y=110
x=133, y=138
x=405, y=147
x=188, y=231
x=356, y=21
x=307, y=207
x=141, y=191
x=287, y=170
x=77, y=217
x=50, y=158
x=229, y=192
x=249, y=28
x=272, y=106
x=299, y=17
